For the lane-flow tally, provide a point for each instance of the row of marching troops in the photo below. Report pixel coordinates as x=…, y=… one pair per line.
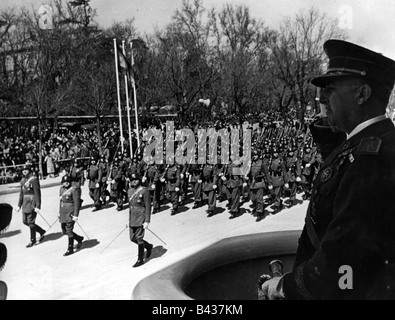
x=278, y=170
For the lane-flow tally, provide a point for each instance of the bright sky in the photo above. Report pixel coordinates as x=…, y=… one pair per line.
x=370, y=23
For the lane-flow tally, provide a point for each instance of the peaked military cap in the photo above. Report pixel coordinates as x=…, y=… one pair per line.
x=350, y=60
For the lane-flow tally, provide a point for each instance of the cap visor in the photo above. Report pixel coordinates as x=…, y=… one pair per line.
x=325, y=79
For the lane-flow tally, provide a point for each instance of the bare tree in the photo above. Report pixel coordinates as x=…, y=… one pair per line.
x=298, y=55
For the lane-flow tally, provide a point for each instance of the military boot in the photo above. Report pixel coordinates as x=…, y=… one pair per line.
x=70, y=248
x=140, y=260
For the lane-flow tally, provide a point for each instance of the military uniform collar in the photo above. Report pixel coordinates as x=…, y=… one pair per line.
x=365, y=124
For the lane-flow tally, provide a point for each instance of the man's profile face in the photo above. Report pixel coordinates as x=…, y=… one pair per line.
x=337, y=97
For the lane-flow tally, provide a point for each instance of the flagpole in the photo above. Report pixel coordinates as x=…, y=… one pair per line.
x=118, y=92
x=135, y=101
x=128, y=105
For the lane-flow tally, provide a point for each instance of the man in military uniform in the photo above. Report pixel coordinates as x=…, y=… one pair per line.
x=183, y=183
x=77, y=177
x=94, y=177
x=234, y=183
x=350, y=219
x=277, y=180
x=150, y=181
x=195, y=178
x=30, y=203
x=105, y=170
x=69, y=211
x=139, y=218
x=209, y=179
x=257, y=178
x=173, y=182
x=117, y=181
x=292, y=176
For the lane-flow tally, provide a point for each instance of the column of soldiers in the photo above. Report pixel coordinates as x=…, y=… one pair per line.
x=279, y=169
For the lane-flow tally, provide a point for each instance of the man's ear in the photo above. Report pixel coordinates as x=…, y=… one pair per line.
x=363, y=93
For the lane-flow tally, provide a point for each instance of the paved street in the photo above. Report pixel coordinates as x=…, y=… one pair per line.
x=107, y=274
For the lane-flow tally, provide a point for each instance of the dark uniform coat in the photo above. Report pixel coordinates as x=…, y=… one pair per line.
x=350, y=222
x=69, y=204
x=139, y=206
x=30, y=194
x=258, y=174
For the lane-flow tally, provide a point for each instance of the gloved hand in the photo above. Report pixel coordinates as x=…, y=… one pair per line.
x=145, y=225
x=244, y=184
x=144, y=179
x=215, y=186
x=287, y=185
x=74, y=218
x=223, y=178
x=182, y=176
x=112, y=181
x=177, y=189
x=153, y=187
x=298, y=179
x=308, y=165
x=273, y=289
x=97, y=186
x=200, y=181
x=270, y=187
x=162, y=179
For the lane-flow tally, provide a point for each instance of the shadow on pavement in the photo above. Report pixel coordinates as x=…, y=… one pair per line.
x=88, y=244
x=157, y=252
x=10, y=234
x=52, y=237
x=218, y=210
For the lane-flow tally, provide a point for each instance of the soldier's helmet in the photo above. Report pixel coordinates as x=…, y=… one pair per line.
x=27, y=166
x=66, y=178
x=135, y=176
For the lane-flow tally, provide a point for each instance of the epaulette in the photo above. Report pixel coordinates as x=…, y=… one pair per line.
x=369, y=146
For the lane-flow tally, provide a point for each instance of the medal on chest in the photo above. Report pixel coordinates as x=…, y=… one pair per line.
x=326, y=174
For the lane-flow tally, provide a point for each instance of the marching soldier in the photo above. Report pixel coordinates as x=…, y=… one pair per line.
x=292, y=176
x=94, y=177
x=256, y=177
x=277, y=177
x=233, y=185
x=173, y=181
x=30, y=203
x=68, y=213
x=183, y=183
x=104, y=167
x=77, y=177
x=150, y=181
x=195, y=178
x=139, y=218
x=209, y=178
x=117, y=182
